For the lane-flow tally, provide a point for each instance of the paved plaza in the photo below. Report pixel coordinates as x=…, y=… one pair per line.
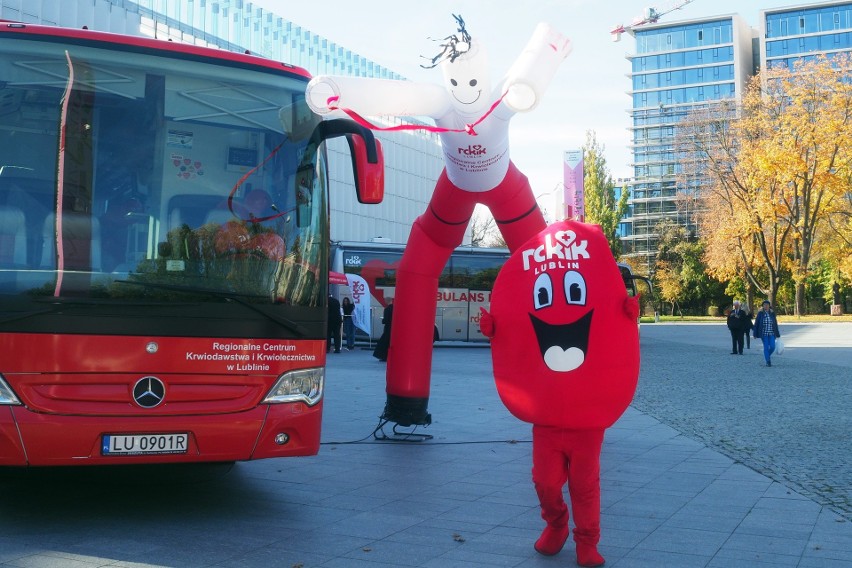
x=720, y=462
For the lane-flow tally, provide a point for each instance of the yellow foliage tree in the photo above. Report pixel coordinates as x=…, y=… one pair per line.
x=808, y=153
x=743, y=239
x=838, y=239
x=669, y=284
x=776, y=169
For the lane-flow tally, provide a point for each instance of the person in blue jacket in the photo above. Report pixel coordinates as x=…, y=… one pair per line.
x=766, y=328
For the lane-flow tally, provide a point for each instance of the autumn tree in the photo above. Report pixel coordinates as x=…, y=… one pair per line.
x=679, y=272
x=838, y=242
x=773, y=172
x=808, y=152
x=741, y=240
x=600, y=204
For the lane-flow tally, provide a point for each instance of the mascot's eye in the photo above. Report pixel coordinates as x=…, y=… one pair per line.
x=575, y=288
x=454, y=83
x=543, y=292
x=473, y=82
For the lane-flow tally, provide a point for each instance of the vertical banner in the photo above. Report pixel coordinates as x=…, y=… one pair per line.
x=361, y=298
x=574, y=198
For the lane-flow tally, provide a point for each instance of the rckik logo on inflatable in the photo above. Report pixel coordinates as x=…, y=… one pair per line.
x=473, y=150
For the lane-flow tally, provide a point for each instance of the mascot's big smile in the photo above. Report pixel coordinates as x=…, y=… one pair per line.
x=563, y=347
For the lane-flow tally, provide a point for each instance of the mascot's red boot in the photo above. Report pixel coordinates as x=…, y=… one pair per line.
x=565, y=349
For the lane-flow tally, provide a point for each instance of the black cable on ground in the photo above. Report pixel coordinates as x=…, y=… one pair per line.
x=408, y=438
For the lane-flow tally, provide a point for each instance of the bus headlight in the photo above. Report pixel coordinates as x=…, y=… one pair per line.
x=301, y=385
x=6, y=394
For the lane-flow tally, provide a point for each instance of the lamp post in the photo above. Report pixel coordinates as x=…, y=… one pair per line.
x=545, y=211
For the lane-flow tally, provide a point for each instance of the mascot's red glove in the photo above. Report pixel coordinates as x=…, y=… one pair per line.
x=631, y=307
x=486, y=323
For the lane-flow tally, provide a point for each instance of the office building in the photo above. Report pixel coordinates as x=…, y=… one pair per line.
x=413, y=159
x=677, y=68
x=680, y=66
x=788, y=34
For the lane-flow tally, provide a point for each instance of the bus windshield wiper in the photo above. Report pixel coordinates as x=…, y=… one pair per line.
x=31, y=313
x=283, y=322
x=58, y=303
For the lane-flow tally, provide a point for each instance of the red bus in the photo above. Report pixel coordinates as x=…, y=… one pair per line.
x=163, y=251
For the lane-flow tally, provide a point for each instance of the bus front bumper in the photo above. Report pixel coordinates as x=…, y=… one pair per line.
x=273, y=430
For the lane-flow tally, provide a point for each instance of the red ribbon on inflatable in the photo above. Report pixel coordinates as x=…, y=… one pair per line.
x=469, y=128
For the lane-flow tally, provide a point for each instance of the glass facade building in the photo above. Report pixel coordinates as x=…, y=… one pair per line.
x=676, y=68
x=413, y=159
x=681, y=66
x=788, y=34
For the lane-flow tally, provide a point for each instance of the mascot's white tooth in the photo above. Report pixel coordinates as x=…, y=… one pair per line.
x=561, y=360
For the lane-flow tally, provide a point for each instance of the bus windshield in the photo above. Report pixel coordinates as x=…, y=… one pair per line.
x=135, y=184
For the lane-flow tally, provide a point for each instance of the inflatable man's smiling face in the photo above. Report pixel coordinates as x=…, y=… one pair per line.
x=467, y=81
x=565, y=342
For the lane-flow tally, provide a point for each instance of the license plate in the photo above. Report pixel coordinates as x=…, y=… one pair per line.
x=143, y=444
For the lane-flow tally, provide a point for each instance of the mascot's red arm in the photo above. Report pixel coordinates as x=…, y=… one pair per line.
x=486, y=323
x=631, y=307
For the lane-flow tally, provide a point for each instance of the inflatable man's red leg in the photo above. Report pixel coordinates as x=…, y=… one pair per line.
x=433, y=238
x=430, y=244
x=515, y=209
x=410, y=353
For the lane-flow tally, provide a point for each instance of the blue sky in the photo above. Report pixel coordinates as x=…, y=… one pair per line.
x=588, y=93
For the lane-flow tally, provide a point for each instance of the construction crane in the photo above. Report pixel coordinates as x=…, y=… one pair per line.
x=649, y=16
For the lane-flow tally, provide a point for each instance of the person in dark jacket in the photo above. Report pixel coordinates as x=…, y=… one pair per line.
x=349, y=323
x=766, y=328
x=739, y=323
x=382, y=346
x=750, y=315
x=335, y=319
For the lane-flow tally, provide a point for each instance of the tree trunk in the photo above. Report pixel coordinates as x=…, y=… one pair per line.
x=773, y=293
x=800, y=299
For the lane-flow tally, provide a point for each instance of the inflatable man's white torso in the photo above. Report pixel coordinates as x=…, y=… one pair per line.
x=473, y=120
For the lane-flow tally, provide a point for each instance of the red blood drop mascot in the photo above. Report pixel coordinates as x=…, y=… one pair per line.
x=565, y=348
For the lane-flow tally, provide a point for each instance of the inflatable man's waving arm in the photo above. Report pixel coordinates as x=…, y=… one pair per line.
x=530, y=75
x=376, y=97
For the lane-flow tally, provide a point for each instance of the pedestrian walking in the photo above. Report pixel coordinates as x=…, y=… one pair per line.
x=766, y=328
x=383, y=344
x=348, y=323
x=334, y=320
x=750, y=315
x=738, y=324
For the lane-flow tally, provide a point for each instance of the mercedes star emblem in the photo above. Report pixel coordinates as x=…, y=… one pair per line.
x=149, y=392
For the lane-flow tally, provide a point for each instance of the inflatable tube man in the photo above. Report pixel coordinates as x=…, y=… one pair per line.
x=565, y=349
x=473, y=122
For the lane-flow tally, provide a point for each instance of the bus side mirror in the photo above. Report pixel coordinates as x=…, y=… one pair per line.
x=368, y=163
x=369, y=175
x=632, y=285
